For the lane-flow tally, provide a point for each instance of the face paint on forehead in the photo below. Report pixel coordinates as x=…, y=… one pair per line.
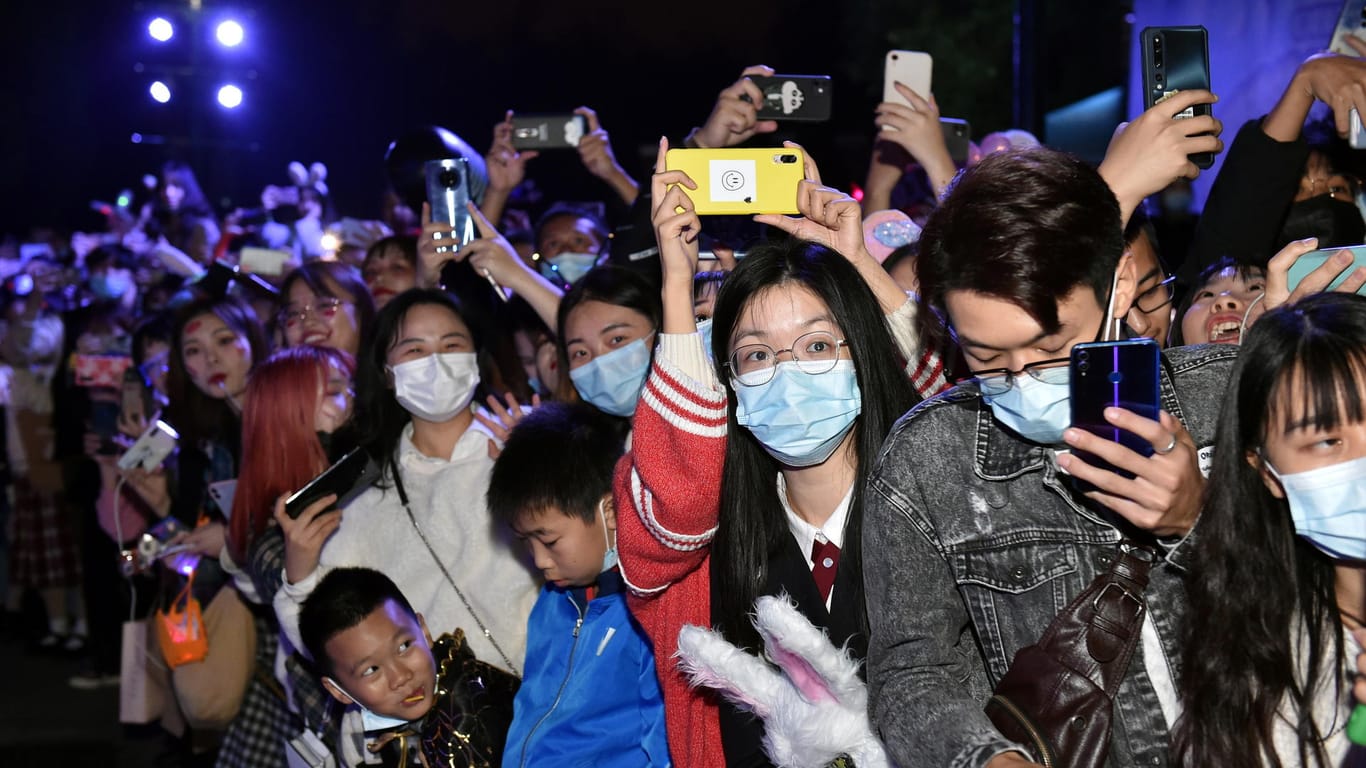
x=193, y=326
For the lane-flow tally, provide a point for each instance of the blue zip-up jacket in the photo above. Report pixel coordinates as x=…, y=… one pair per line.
x=590, y=696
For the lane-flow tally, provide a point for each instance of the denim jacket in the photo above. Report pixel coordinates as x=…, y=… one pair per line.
x=973, y=541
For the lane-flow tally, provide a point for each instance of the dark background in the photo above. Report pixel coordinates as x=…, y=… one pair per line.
x=336, y=81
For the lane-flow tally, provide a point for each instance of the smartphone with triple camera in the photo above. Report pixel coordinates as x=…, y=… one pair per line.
x=448, y=194
x=1176, y=59
x=1114, y=374
x=348, y=478
x=741, y=181
x=957, y=138
x=557, y=131
x=800, y=98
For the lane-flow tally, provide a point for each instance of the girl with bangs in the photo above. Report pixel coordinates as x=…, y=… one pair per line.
x=1277, y=607
x=748, y=463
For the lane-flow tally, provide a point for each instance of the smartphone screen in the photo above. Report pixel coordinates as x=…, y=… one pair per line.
x=355, y=472
x=1176, y=59
x=1118, y=374
x=448, y=192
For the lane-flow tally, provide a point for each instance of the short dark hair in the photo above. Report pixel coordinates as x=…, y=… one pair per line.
x=560, y=455
x=342, y=599
x=587, y=211
x=1027, y=226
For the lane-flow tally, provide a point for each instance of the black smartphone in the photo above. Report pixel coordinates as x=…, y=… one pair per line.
x=957, y=137
x=805, y=98
x=557, y=131
x=1176, y=59
x=217, y=279
x=448, y=192
x=348, y=478
x=1119, y=374
x=104, y=421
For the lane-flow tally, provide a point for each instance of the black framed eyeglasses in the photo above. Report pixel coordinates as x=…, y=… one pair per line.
x=1158, y=296
x=998, y=381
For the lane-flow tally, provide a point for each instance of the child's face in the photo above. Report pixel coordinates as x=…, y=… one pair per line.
x=385, y=663
x=567, y=550
x=1216, y=313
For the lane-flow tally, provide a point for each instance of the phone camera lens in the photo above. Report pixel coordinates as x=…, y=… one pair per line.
x=788, y=159
x=1083, y=367
x=449, y=178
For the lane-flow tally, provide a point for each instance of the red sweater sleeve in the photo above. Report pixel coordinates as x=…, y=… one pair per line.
x=668, y=487
x=667, y=491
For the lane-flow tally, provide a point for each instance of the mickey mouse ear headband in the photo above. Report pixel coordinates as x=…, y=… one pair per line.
x=886, y=231
x=313, y=177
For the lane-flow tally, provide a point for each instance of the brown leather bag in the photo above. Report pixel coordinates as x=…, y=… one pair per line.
x=1058, y=695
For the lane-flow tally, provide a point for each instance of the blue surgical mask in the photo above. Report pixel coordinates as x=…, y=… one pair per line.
x=800, y=418
x=609, y=557
x=371, y=721
x=111, y=285
x=1038, y=411
x=612, y=382
x=569, y=266
x=1328, y=506
x=704, y=330
x=536, y=386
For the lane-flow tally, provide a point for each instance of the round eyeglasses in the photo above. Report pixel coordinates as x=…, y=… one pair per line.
x=753, y=365
x=998, y=381
x=324, y=307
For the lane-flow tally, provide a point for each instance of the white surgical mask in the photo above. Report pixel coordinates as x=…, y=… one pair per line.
x=437, y=387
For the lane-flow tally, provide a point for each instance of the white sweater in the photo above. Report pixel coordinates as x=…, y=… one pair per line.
x=447, y=499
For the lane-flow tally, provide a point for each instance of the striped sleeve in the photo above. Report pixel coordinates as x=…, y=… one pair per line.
x=668, y=487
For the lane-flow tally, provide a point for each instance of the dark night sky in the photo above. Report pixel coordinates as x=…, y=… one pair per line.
x=336, y=81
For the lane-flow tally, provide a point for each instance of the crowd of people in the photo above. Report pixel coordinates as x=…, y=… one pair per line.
x=605, y=425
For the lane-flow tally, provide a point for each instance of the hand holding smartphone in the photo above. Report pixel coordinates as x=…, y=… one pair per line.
x=555, y=131
x=1176, y=59
x=1114, y=374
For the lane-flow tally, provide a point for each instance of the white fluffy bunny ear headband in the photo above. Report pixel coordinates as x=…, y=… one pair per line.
x=815, y=682
x=314, y=177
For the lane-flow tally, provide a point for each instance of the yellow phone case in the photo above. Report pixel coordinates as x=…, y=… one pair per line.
x=741, y=181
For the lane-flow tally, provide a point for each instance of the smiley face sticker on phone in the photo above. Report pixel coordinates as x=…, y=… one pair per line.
x=732, y=181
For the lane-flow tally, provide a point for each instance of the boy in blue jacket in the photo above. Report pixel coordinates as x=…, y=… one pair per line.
x=589, y=695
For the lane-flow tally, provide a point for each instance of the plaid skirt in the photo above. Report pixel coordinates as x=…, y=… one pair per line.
x=256, y=738
x=44, y=551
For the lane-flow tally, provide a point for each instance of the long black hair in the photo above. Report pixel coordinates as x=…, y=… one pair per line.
x=379, y=418
x=752, y=520
x=1264, y=621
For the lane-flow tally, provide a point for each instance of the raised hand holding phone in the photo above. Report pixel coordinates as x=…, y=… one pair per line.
x=916, y=128
x=734, y=120
x=677, y=227
x=306, y=534
x=1148, y=154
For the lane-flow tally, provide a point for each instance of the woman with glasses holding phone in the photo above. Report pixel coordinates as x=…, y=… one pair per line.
x=327, y=304
x=746, y=475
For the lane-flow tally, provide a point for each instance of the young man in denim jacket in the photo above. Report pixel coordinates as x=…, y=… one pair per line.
x=976, y=536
